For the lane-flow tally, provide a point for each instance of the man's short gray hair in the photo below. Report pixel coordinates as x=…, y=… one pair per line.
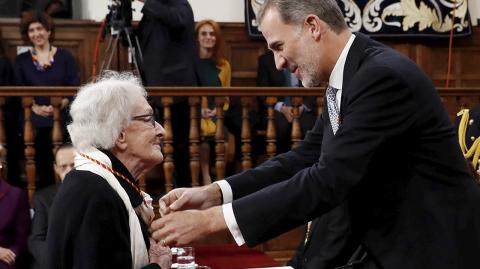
x=295, y=11
x=102, y=109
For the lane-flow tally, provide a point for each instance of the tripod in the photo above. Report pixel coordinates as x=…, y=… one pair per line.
x=112, y=45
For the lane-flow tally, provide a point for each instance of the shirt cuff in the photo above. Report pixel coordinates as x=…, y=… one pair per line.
x=232, y=223
x=227, y=193
x=278, y=106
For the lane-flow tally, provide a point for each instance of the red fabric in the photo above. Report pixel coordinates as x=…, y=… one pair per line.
x=232, y=257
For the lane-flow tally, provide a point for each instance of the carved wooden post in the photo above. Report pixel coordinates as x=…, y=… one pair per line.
x=296, y=130
x=194, y=138
x=168, y=165
x=29, y=146
x=220, y=139
x=57, y=132
x=271, y=133
x=246, y=134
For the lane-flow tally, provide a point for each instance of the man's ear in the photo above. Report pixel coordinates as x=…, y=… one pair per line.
x=121, y=141
x=315, y=26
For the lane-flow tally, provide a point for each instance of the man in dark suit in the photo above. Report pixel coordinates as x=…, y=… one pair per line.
x=384, y=144
x=327, y=242
x=167, y=41
x=42, y=202
x=269, y=76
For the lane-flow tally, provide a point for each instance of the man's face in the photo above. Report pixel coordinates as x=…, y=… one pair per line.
x=64, y=162
x=293, y=48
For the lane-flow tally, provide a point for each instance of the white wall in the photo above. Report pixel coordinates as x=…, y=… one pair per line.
x=219, y=10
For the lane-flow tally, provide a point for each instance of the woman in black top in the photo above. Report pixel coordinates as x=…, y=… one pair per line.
x=44, y=65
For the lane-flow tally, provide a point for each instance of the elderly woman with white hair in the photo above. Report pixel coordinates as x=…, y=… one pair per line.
x=100, y=218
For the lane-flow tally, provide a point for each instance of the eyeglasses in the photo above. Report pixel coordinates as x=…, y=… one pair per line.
x=145, y=118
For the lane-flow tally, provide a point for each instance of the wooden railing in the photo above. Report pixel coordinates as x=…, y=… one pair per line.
x=453, y=99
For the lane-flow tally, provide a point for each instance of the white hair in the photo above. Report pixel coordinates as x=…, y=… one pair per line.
x=102, y=109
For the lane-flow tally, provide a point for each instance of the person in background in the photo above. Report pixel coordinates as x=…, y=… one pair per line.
x=167, y=41
x=14, y=222
x=53, y=8
x=100, y=217
x=384, y=145
x=44, y=65
x=12, y=112
x=213, y=70
x=42, y=202
x=269, y=76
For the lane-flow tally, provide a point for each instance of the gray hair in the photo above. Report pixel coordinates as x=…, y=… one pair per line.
x=295, y=11
x=102, y=109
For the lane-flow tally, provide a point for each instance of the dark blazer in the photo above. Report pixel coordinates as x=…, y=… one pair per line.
x=37, y=241
x=395, y=157
x=167, y=41
x=328, y=244
x=88, y=225
x=14, y=223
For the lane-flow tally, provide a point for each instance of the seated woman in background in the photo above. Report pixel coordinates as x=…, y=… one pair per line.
x=100, y=218
x=214, y=70
x=14, y=223
x=44, y=65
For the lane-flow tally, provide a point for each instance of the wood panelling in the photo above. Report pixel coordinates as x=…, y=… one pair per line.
x=242, y=52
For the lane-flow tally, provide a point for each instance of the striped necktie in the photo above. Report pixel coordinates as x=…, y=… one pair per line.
x=333, y=111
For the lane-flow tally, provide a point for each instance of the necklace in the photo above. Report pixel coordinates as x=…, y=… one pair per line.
x=38, y=65
x=109, y=169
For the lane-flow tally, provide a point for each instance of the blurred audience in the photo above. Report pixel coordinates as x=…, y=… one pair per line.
x=42, y=201
x=213, y=70
x=14, y=223
x=44, y=65
x=166, y=34
x=269, y=76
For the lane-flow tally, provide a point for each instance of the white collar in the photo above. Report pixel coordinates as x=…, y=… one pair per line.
x=336, y=77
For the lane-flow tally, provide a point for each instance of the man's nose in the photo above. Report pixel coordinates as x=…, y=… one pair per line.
x=280, y=62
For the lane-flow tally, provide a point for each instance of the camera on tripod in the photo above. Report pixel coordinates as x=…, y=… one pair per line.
x=118, y=18
x=118, y=23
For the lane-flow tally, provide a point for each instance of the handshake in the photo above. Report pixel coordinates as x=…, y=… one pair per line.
x=188, y=215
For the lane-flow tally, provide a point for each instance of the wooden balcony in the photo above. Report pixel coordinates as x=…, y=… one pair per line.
x=280, y=248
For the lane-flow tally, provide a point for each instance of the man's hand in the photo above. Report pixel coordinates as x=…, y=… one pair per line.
x=287, y=111
x=184, y=227
x=190, y=198
x=42, y=110
x=7, y=256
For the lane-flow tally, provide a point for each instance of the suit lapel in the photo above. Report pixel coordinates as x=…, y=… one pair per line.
x=354, y=58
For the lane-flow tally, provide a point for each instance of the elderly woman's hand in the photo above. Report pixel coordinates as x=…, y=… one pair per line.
x=160, y=254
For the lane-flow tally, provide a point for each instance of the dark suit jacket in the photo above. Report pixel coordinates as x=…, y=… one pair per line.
x=37, y=241
x=166, y=34
x=14, y=223
x=395, y=157
x=329, y=242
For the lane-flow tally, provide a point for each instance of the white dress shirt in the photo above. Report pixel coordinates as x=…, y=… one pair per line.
x=336, y=81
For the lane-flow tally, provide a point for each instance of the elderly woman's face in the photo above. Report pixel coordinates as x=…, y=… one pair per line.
x=143, y=135
x=38, y=34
